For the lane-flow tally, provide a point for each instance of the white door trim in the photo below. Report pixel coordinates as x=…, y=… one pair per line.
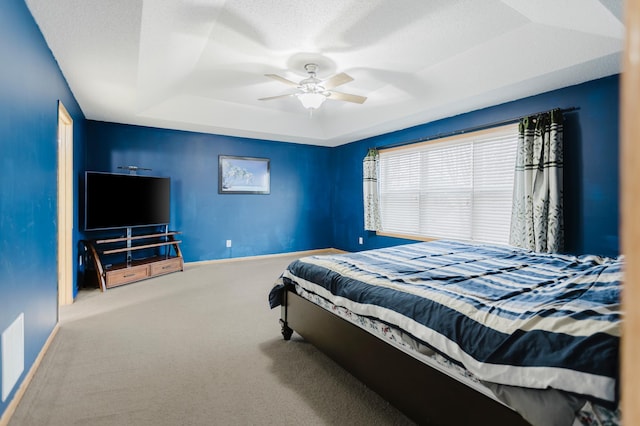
x=65, y=206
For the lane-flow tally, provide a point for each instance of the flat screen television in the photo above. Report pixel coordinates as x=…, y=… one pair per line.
x=113, y=200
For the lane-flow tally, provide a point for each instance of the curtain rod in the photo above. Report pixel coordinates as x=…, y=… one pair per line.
x=470, y=129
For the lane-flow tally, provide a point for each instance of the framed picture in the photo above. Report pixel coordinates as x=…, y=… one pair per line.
x=243, y=175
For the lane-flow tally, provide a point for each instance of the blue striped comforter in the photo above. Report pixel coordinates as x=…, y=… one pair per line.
x=509, y=316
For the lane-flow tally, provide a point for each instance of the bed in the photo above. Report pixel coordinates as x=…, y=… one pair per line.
x=458, y=333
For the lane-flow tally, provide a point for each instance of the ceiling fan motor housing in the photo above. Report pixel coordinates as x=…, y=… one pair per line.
x=312, y=83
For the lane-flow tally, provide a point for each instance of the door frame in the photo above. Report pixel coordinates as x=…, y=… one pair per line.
x=65, y=206
x=630, y=226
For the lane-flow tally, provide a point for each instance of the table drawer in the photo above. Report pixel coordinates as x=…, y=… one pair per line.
x=166, y=266
x=126, y=275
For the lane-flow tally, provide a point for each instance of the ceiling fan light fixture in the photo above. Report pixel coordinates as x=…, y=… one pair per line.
x=312, y=91
x=311, y=100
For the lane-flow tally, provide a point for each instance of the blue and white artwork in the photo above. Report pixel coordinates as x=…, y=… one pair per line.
x=248, y=175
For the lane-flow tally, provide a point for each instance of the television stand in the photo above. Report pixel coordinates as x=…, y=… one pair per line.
x=137, y=264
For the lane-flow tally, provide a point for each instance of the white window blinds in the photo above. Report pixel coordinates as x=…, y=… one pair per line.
x=459, y=187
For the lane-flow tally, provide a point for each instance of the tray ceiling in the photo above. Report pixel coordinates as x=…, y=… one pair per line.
x=200, y=65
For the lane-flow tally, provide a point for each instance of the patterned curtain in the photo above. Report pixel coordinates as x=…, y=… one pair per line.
x=537, y=218
x=370, y=191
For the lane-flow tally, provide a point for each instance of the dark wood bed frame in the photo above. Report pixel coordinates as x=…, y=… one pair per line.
x=424, y=394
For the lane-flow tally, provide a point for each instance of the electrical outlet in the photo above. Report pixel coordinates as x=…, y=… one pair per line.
x=228, y=243
x=360, y=240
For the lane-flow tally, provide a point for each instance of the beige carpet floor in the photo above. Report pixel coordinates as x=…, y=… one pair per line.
x=199, y=347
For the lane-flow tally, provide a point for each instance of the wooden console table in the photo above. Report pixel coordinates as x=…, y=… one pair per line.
x=134, y=269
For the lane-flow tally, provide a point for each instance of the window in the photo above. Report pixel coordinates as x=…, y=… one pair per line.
x=457, y=187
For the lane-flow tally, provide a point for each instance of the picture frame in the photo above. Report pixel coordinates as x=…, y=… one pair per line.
x=243, y=175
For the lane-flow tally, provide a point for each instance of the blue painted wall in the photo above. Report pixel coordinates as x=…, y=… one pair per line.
x=590, y=166
x=295, y=216
x=30, y=86
x=308, y=181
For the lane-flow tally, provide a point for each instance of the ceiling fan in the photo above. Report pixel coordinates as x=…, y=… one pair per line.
x=312, y=92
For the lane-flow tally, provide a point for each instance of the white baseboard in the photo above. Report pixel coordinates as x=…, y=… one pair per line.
x=266, y=256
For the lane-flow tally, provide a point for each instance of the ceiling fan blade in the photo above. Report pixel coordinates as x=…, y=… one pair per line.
x=275, y=97
x=339, y=96
x=282, y=80
x=336, y=80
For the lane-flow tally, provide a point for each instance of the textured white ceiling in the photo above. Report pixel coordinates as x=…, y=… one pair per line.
x=199, y=64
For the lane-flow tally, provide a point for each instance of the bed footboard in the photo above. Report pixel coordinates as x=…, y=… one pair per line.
x=424, y=394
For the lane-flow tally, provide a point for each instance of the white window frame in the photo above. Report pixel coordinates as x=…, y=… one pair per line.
x=457, y=187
